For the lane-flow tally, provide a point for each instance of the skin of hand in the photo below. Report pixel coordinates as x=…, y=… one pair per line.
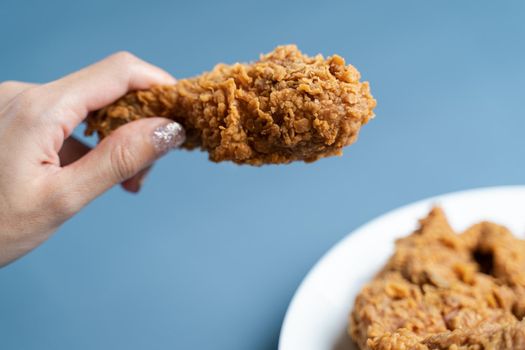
x=48, y=176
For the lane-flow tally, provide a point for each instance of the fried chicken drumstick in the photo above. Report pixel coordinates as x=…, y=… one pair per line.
x=284, y=107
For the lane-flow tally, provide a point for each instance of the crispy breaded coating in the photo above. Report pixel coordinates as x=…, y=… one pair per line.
x=441, y=290
x=284, y=107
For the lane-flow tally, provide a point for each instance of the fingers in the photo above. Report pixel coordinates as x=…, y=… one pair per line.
x=134, y=184
x=127, y=151
x=72, y=150
x=91, y=88
x=104, y=82
x=10, y=89
x=101, y=83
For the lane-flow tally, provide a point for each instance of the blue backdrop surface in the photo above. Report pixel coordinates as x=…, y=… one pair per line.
x=209, y=255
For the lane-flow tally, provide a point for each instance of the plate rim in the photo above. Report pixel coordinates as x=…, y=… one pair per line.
x=435, y=198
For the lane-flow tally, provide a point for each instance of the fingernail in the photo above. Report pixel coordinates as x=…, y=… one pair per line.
x=168, y=136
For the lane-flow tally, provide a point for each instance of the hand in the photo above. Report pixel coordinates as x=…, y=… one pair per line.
x=47, y=176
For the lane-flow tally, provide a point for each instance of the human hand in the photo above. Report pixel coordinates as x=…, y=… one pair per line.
x=48, y=176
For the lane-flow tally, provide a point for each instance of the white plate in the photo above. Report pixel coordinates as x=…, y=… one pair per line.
x=317, y=316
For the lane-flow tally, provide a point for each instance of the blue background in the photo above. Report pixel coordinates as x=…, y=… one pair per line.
x=209, y=255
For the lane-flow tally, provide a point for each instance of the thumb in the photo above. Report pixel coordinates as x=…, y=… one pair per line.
x=126, y=151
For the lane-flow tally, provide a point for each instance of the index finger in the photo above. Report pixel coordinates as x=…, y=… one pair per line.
x=100, y=84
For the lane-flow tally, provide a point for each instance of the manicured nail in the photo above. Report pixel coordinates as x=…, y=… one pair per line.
x=168, y=136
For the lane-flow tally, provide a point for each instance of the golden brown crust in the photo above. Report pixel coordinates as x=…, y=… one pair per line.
x=441, y=290
x=285, y=107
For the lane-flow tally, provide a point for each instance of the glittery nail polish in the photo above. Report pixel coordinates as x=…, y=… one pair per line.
x=168, y=136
